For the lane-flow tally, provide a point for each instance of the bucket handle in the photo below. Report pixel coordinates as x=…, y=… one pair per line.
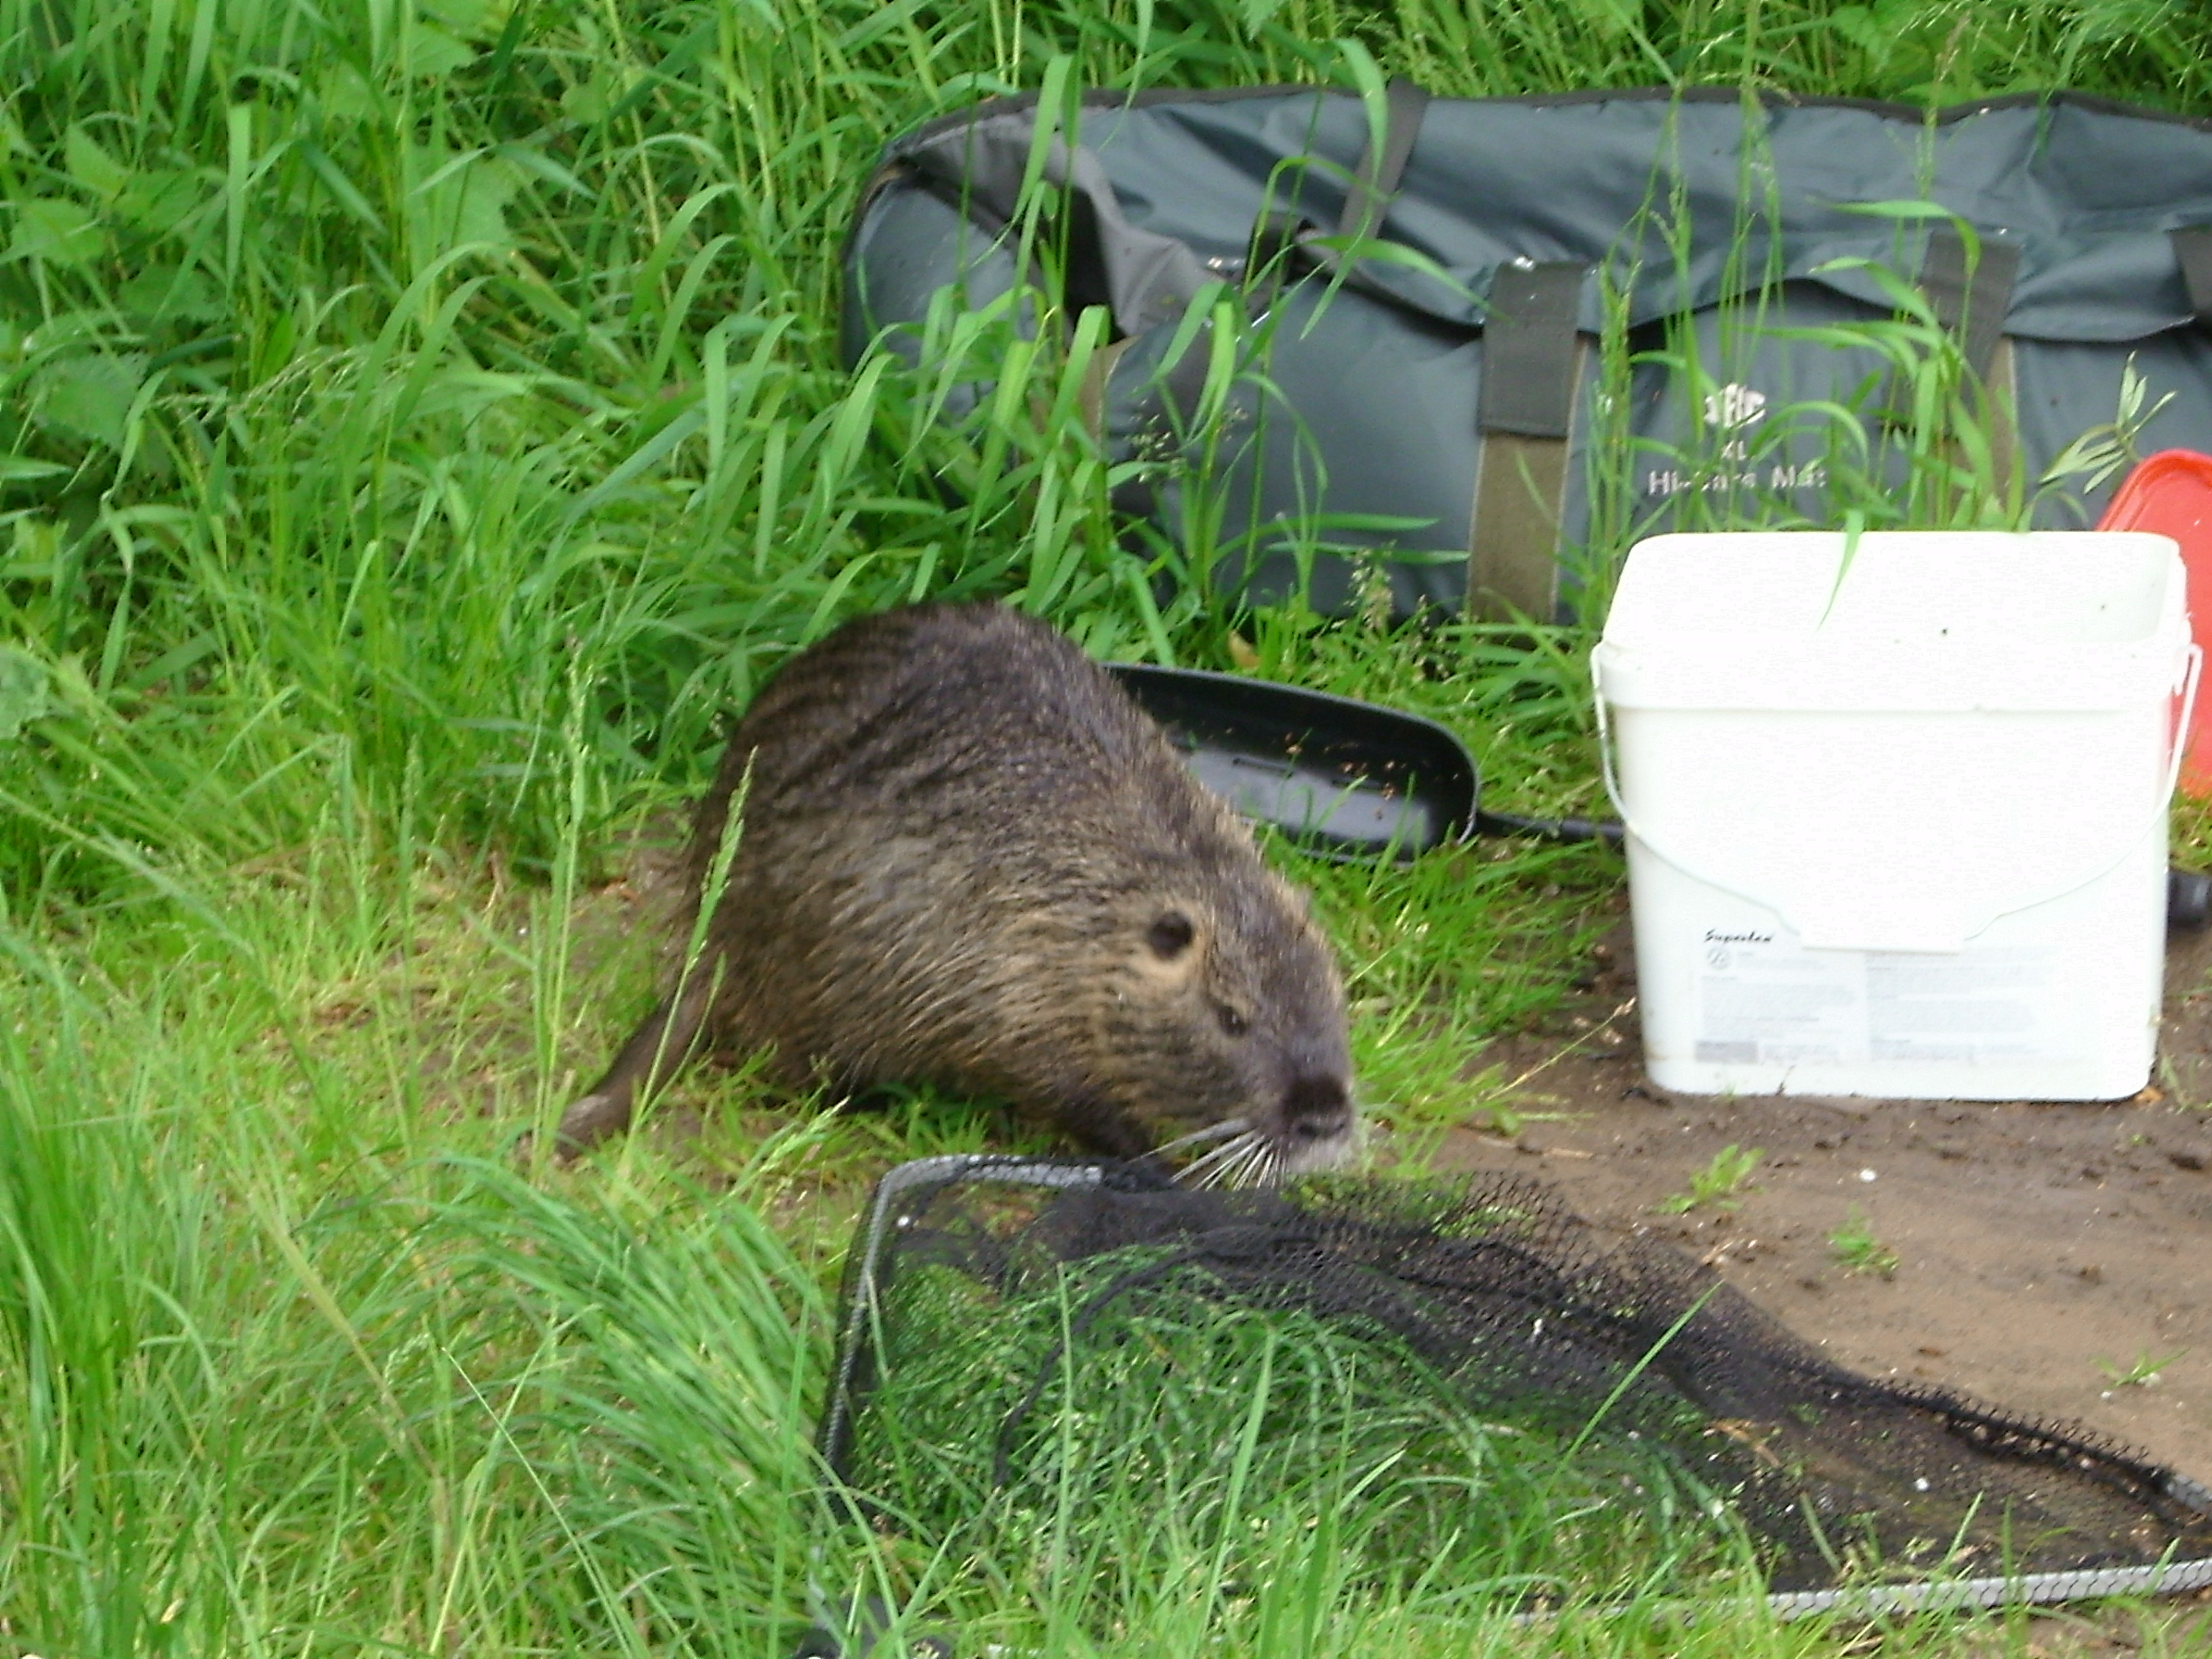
x=2177, y=746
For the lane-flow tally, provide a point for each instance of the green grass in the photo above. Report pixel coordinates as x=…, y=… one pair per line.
x=2143, y=1372
x=419, y=422
x=1857, y=1249
x=1719, y=1184
x=1109, y=1446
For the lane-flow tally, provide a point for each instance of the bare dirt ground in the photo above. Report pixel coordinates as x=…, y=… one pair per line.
x=2037, y=1245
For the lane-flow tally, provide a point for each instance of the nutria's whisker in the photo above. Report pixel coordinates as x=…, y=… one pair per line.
x=1195, y=1176
x=1236, y=1156
x=1228, y=1126
x=1202, y=1172
x=1253, y=1149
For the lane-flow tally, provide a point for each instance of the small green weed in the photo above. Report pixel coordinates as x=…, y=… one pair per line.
x=2143, y=1373
x=1717, y=1186
x=1855, y=1248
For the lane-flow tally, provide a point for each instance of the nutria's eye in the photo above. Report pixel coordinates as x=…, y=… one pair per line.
x=1170, y=935
x=1231, y=1021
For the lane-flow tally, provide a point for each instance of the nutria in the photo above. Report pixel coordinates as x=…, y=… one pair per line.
x=965, y=856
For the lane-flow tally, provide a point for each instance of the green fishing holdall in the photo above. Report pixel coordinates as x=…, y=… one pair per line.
x=1480, y=344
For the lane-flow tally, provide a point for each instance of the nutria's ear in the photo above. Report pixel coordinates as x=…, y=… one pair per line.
x=1169, y=935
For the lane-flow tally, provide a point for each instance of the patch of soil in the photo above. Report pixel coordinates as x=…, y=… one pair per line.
x=2034, y=1240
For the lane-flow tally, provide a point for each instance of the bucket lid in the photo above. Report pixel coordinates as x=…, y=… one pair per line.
x=1896, y=620
x=2171, y=495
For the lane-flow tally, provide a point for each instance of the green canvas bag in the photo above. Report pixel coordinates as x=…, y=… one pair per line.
x=1481, y=345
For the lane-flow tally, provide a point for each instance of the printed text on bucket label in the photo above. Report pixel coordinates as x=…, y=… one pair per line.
x=1764, y=999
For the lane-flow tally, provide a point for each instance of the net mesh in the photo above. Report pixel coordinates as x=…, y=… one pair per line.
x=1491, y=1383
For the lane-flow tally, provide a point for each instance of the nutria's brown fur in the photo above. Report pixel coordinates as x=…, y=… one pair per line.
x=966, y=856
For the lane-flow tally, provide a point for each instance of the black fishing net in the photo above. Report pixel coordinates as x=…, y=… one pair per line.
x=1453, y=1377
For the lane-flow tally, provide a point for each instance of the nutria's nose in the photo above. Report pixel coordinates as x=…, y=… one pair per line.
x=1317, y=1107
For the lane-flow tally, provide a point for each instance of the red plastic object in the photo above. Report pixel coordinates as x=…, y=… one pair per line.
x=2171, y=495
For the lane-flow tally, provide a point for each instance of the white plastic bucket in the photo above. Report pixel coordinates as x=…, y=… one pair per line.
x=1897, y=821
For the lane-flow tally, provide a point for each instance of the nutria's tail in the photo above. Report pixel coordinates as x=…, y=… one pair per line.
x=654, y=1052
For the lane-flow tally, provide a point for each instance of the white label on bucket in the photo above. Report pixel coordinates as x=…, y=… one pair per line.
x=1764, y=999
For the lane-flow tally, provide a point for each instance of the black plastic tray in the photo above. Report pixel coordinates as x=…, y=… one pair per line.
x=1346, y=780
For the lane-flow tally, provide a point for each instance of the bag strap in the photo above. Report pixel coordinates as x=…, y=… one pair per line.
x=2192, y=252
x=1524, y=413
x=1375, y=181
x=1277, y=239
x=1286, y=234
x=1970, y=307
x=1531, y=358
x=1975, y=308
